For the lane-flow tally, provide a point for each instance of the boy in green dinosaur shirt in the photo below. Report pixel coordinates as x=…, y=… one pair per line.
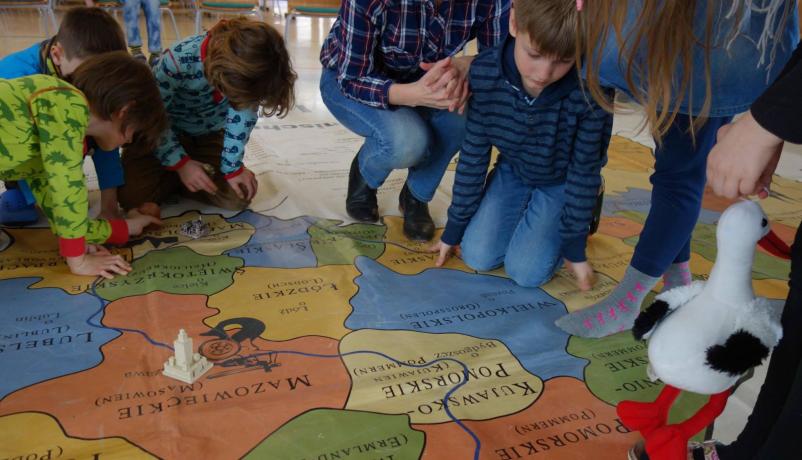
x=43, y=123
x=83, y=32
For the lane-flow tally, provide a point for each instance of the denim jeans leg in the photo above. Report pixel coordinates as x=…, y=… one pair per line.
x=395, y=138
x=131, y=18
x=448, y=131
x=534, y=252
x=153, y=21
x=678, y=185
x=488, y=234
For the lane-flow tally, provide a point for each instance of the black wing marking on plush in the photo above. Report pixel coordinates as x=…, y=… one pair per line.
x=741, y=352
x=648, y=318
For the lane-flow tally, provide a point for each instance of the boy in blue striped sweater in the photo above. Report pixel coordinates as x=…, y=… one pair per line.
x=536, y=207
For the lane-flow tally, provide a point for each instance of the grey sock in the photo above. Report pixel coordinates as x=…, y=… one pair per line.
x=677, y=275
x=615, y=313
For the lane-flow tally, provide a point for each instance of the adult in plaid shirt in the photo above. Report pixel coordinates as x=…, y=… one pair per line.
x=391, y=75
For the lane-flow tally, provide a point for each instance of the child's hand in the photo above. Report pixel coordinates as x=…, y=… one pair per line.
x=137, y=222
x=583, y=271
x=244, y=184
x=99, y=262
x=195, y=178
x=445, y=250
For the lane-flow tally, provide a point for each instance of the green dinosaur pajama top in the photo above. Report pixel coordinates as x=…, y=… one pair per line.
x=42, y=126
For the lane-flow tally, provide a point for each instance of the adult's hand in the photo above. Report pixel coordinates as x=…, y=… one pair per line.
x=426, y=92
x=454, y=81
x=743, y=160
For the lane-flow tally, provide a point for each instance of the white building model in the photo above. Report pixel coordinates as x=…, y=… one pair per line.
x=186, y=365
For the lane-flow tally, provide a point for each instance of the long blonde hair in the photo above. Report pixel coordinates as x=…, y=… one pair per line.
x=661, y=38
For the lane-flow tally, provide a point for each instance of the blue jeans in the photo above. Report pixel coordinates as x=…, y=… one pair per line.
x=678, y=183
x=518, y=226
x=152, y=20
x=418, y=138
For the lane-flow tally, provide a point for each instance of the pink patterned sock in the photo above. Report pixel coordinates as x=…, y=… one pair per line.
x=615, y=313
x=677, y=275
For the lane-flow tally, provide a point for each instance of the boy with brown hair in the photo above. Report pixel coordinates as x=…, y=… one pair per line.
x=212, y=86
x=44, y=122
x=536, y=207
x=84, y=32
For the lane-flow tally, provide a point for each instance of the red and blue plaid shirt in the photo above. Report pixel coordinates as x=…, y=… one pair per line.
x=375, y=43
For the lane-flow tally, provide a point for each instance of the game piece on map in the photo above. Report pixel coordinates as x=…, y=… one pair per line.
x=195, y=228
x=186, y=365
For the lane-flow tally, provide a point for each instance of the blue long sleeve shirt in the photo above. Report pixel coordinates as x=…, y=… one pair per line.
x=559, y=137
x=195, y=107
x=36, y=60
x=30, y=61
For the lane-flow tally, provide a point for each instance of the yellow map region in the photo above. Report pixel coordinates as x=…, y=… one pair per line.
x=292, y=302
x=34, y=253
x=435, y=363
x=629, y=167
x=411, y=257
x=222, y=235
x=34, y=435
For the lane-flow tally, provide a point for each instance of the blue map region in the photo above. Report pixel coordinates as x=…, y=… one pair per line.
x=277, y=243
x=640, y=200
x=452, y=301
x=44, y=334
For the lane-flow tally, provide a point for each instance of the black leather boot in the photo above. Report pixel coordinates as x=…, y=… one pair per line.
x=418, y=224
x=361, y=201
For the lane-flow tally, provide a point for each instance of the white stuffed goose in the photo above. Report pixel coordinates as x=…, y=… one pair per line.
x=705, y=336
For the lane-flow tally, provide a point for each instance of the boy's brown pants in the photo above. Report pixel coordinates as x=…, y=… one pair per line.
x=147, y=180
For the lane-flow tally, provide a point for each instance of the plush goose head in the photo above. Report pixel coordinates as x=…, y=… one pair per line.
x=741, y=226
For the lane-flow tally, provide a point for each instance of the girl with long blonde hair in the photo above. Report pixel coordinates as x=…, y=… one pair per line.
x=691, y=65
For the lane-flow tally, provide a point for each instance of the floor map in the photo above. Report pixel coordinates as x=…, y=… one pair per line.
x=329, y=339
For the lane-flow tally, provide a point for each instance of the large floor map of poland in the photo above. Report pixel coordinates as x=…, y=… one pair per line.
x=330, y=341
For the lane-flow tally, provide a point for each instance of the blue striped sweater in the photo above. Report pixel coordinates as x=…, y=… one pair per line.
x=559, y=137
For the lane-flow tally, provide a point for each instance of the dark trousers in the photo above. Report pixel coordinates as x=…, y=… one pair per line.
x=774, y=430
x=678, y=183
x=147, y=180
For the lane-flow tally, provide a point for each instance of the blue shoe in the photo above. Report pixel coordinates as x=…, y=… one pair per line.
x=15, y=209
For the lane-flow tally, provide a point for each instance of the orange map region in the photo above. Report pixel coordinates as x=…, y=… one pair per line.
x=222, y=415
x=566, y=423
x=619, y=227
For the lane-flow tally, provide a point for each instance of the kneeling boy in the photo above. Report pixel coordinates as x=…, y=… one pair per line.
x=537, y=206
